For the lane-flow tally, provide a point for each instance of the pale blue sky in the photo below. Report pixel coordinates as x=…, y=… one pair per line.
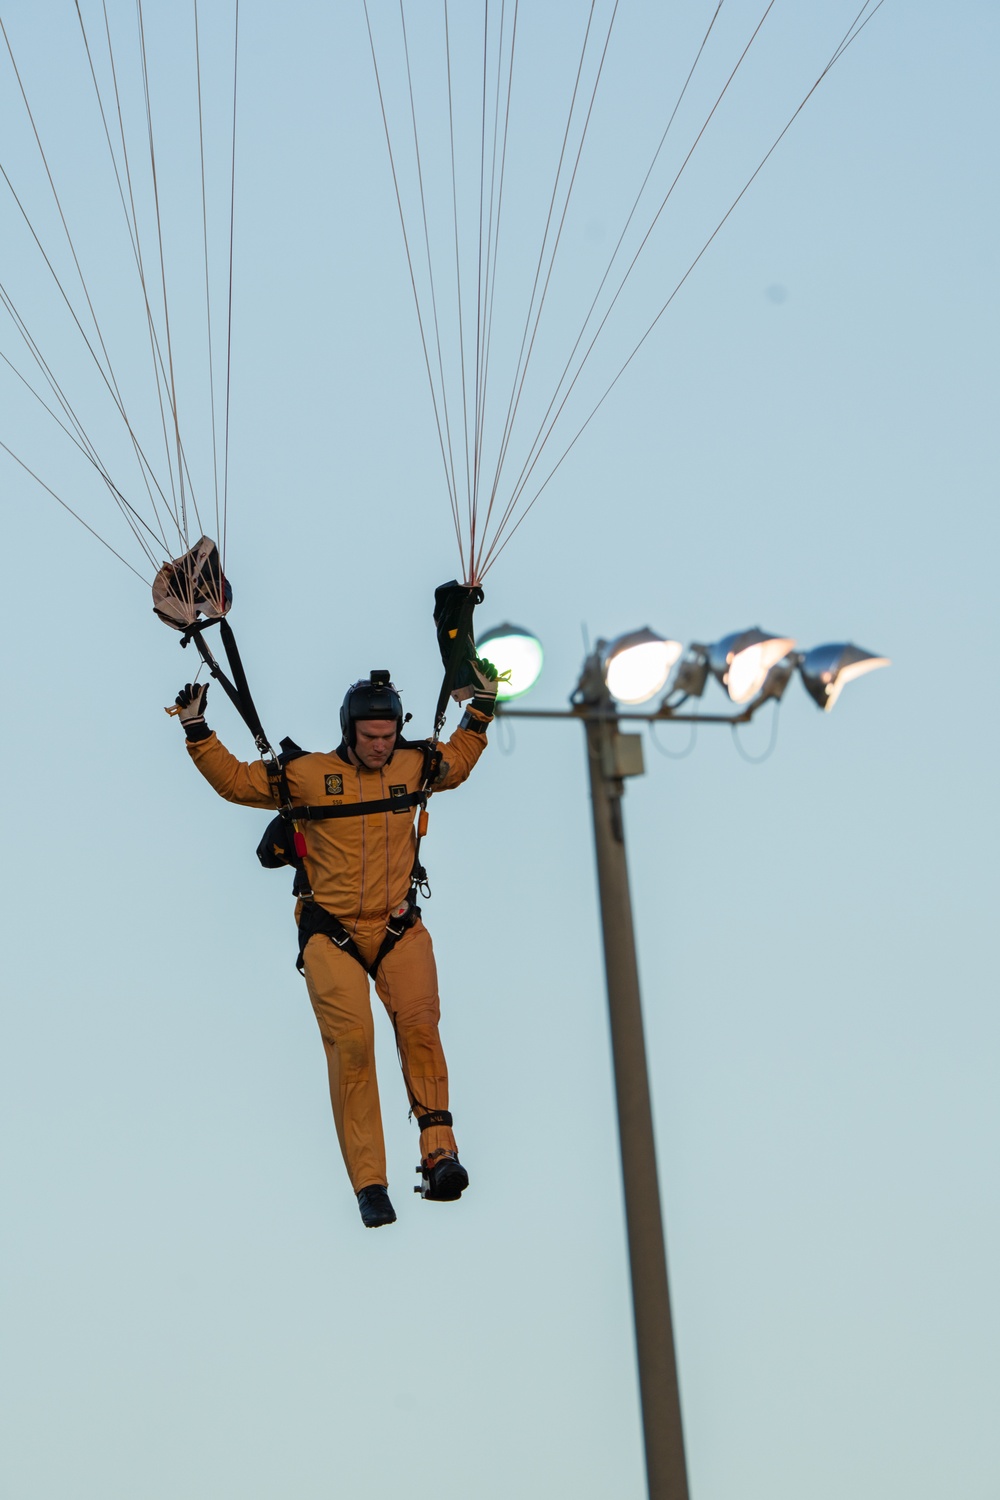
x=191, y=1306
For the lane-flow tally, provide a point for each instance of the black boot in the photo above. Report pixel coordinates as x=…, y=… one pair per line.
x=443, y=1178
x=375, y=1207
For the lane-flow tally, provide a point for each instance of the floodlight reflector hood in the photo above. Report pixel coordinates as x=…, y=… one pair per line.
x=826, y=670
x=741, y=661
x=637, y=664
x=515, y=650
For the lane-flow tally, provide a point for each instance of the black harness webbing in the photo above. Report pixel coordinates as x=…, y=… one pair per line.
x=418, y=880
x=315, y=919
x=357, y=809
x=238, y=691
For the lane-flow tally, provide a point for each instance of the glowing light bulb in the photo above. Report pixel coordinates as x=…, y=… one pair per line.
x=638, y=664
x=741, y=661
x=516, y=651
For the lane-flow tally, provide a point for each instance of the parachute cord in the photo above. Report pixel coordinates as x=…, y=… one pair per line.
x=458, y=263
x=132, y=517
x=62, y=216
x=851, y=35
x=73, y=513
x=540, y=440
x=853, y=32
x=528, y=344
x=229, y=316
x=208, y=293
x=132, y=224
x=541, y=260
x=413, y=283
x=148, y=477
x=474, y=480
x=160, y=377
x=430, y=265
x=487, y=261
x=132, y=221
x=543, y=434
x=77, y=436
x=107, y=379
x=163, y=277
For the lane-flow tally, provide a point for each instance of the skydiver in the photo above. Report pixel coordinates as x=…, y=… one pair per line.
x=355, y=910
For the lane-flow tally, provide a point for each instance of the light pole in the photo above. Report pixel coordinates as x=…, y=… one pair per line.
x=755, y=668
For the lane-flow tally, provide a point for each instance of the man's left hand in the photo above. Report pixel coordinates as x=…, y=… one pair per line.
x=485, y=679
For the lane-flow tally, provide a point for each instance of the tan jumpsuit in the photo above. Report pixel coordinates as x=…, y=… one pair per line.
x=359, y=869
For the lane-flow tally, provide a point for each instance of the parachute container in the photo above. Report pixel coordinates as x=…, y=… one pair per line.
x=192, y=585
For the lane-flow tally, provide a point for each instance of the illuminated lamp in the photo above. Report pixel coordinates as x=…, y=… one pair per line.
x=637, y=665
x=741, y=661
x=516, y=651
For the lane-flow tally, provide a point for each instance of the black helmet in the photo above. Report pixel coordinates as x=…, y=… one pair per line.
x=371, y=697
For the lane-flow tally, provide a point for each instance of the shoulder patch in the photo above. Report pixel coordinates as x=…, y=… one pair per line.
x=334, y=786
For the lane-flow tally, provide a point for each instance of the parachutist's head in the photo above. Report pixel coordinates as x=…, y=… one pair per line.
x=371, y=718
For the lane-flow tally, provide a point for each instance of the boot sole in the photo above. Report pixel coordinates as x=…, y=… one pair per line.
x=451, y=1188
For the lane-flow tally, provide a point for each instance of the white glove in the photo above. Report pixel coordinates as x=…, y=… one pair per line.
x=191, y=704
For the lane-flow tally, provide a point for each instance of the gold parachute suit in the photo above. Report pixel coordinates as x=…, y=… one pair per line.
x=359, y=869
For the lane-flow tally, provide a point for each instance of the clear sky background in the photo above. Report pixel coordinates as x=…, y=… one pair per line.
x=191, y=1306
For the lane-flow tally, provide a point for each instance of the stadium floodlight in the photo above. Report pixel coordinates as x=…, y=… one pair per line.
x=826, y=670
x=637, y=665
x=516, y=651
x=741, y=661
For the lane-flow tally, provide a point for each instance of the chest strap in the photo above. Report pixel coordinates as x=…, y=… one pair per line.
x=356, y=809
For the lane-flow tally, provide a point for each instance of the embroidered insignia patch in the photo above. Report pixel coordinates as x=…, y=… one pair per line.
x=398, y=791
x=334, y=786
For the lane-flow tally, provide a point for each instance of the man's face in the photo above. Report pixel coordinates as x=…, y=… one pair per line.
x=374, y=743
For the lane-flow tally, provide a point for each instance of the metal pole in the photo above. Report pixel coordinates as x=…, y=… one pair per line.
x=666, y=1472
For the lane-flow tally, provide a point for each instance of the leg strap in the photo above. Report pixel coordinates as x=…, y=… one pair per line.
x=435, y=1117
x=394, y=930
x=316, y=918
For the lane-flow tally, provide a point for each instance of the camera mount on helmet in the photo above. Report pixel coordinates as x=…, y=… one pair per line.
x=371, y=697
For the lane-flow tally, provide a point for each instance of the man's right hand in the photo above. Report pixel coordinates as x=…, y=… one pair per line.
x=191, y=709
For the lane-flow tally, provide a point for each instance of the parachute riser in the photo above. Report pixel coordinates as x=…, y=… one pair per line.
x=454, y=661
x=418, y=880
x=238, y=690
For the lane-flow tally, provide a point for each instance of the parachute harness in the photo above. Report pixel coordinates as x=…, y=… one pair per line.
x=191, y=594
x=315, y=918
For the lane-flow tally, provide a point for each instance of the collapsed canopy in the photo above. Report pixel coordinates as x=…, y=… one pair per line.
x=192, y=585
